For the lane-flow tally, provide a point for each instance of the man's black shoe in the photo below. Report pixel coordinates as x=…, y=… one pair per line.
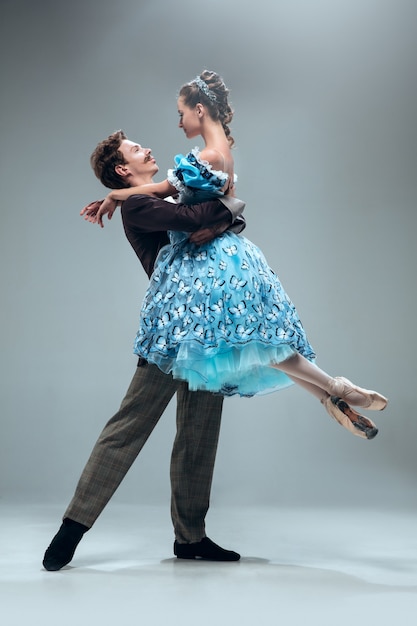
x=205, y=549
x=63, y=545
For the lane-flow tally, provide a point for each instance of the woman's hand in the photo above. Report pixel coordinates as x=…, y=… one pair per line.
x=90, y=211
x=107, y=206
x=95, y=211
x=229, y=187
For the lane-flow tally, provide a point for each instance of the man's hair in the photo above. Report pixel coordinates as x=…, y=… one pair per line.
x=105, y=158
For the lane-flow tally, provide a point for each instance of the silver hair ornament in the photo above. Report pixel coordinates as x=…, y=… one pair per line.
x=204, y=88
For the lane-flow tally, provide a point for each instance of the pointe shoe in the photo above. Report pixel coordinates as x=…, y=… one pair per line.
x=357, y=424
x=372, y=400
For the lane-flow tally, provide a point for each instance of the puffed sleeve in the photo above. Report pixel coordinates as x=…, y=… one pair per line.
x=190, y=172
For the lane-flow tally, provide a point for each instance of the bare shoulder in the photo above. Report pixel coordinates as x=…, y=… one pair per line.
x=216, y=158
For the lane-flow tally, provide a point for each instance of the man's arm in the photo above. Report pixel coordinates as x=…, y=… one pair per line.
x=235, y=206
x=149, y=214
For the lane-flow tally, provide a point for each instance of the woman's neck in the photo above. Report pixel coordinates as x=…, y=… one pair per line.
x=214, y=136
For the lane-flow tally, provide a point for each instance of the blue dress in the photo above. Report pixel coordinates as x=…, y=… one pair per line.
x=216, y=315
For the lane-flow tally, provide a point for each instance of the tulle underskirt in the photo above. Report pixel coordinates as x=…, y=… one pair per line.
x=226, y=369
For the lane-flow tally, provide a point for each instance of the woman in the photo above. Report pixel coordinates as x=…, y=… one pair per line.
x=216, y=315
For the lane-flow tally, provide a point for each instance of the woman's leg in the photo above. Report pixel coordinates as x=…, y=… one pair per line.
x=340, y=411
x=318, y=392
x=300, y=368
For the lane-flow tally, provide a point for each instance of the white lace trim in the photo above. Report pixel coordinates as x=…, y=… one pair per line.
x=174, y=181
x=219, y=173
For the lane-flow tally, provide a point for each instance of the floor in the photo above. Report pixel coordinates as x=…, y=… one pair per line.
x=299, y=566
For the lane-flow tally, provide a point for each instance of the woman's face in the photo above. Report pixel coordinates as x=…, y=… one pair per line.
x=189, y=119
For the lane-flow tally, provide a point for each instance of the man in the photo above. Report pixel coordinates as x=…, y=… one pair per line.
x=119, y=162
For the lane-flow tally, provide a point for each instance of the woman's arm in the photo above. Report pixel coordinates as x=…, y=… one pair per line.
x=95, y=211
x=160, y=190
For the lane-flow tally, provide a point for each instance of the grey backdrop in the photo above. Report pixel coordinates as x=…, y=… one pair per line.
x=325, y=99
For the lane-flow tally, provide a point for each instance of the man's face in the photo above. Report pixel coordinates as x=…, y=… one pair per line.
x=139, y=161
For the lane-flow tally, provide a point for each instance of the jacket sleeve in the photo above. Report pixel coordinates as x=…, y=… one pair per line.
x=148, y=214
x=238, y=225
x=234, y=205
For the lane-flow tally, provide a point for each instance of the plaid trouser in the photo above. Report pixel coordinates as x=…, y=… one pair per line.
x=193, y=454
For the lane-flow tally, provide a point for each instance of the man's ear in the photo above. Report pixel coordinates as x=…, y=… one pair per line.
x=121, y=170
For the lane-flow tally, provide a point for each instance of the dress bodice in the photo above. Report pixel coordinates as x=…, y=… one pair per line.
x=196, y=181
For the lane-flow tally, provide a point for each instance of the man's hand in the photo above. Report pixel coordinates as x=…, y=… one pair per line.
x=204, y=235
x=95, y=211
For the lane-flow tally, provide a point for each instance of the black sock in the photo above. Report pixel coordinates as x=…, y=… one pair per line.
x=63, y=545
